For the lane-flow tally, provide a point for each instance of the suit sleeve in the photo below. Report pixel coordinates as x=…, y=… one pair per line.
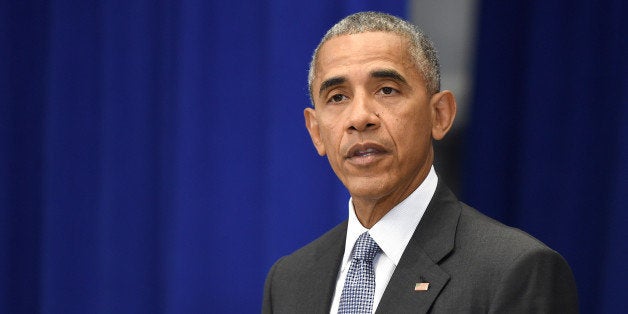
x=538, y=281
x=267, y=304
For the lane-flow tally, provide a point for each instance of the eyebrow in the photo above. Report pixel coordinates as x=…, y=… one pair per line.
x=339, y=80
x=389, y=74
x=331, y=82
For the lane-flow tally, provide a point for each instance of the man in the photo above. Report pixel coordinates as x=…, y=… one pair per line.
x=408, y=246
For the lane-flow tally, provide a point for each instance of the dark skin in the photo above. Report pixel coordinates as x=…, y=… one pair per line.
x=374, y=119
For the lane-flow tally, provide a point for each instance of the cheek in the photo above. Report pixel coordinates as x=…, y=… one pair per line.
x=412, y=133
x=331, y=138
x=329, y=128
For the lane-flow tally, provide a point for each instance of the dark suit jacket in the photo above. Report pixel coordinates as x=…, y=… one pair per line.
x=473, y=265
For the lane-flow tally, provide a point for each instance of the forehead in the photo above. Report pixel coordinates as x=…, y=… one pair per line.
x=343, y=55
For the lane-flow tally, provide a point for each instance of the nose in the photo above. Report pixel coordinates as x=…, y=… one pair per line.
x=362, y=115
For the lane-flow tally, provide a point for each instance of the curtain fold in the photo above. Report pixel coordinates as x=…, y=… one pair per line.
x=153, y=154
x=546, y=146
x=154, y=159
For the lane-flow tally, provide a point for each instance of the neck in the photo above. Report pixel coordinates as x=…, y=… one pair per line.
x=369, y=215
x=371, y=210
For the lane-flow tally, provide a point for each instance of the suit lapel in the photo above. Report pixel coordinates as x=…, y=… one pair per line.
x=431, y=242
x=321, y=278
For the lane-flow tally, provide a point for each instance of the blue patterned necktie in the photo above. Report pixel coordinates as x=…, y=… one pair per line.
x=357, y=294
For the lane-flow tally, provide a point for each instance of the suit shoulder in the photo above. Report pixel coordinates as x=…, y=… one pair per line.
x=477, y=229
x=299, y=282
x=494, y=249
x=504, y=270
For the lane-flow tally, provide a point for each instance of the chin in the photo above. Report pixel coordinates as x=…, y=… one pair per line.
x=366, y=188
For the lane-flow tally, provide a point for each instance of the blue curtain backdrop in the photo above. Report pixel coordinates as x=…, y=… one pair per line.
x=153, y=157
x=547, y=146
x=153, y=154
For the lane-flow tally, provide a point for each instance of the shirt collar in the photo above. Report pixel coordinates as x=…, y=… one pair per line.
x=393, y=232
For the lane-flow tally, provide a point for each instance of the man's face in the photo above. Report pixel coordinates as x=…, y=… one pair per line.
x=373, y=117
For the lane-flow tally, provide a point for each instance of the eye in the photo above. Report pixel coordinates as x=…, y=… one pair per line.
x=388, y=90
x=337, y=98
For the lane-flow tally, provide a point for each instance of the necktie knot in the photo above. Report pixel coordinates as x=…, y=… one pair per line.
x=365, y=248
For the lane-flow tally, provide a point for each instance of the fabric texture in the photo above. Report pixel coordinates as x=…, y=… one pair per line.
x=473, y=264
x=357, y=294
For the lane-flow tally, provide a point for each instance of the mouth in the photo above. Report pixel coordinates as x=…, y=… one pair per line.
x=365, y=153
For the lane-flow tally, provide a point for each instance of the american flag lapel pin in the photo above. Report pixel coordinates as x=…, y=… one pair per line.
x=421, y=285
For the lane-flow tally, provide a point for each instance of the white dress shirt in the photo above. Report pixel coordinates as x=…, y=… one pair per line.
x=392, y=233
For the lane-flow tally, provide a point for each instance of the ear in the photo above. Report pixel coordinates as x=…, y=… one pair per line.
x=443, y=113
x=311, y=123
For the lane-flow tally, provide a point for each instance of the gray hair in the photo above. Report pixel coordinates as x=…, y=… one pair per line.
x=421, y=47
